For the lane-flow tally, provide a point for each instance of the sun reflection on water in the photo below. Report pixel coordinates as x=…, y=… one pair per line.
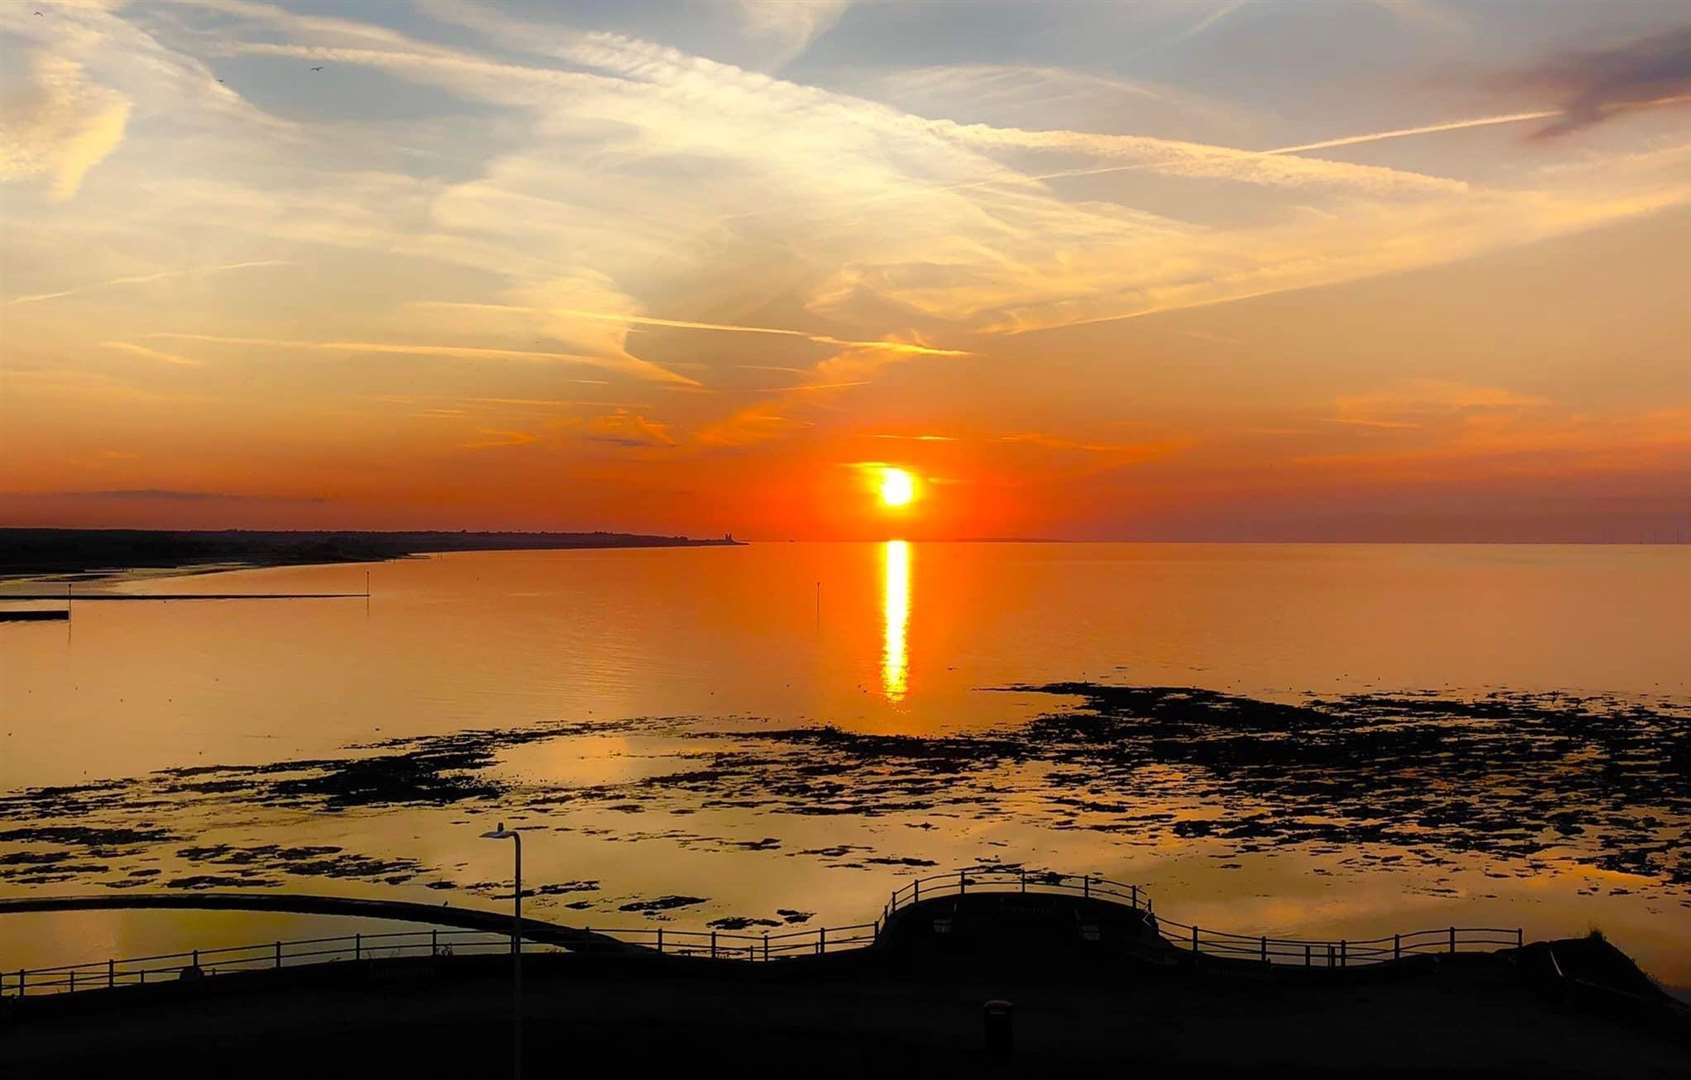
x=895, y=606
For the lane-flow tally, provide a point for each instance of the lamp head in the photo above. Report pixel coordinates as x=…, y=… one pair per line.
x=497, y=834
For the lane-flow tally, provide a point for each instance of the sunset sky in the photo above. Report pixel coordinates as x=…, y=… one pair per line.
x=1162, y=269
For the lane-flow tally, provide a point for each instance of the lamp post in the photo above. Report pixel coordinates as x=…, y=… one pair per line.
x=515, y=837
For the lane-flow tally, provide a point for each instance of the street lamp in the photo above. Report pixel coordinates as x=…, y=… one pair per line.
x=502, y=833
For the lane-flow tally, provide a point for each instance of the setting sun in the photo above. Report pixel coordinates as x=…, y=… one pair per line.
x=898, y=487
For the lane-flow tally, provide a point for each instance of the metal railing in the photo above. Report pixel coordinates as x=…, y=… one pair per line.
x=734, y=945
x=765, y=946
x=1002, y=879
x=166, y=967
x=1340, y=953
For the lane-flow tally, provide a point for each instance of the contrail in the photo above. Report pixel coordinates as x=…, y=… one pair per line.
x=820, y=339
x=1347, y=140
x=731, y=328
x=1425, y=129
x=1483, y=121
x=629, y=364
x=1206, y=22
x=151, y=354
x=136, y=279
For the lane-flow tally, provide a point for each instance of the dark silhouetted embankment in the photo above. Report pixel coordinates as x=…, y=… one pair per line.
x=1092, y=989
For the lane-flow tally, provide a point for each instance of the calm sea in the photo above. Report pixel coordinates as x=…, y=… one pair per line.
x=633, y=710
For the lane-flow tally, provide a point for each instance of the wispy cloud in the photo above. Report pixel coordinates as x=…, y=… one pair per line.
x=169, y=495
x=785, y=27
x=627, y=428
x=62, y=125
x=494, y=438
x=1598, y=83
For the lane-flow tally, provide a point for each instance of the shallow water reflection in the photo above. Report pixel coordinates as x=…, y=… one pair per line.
x=895, y=607
x=652, y=716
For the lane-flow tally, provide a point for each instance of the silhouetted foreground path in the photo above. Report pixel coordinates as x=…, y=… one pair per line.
x=912, y=1006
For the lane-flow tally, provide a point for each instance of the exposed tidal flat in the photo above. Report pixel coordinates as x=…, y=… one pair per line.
x=708, y=738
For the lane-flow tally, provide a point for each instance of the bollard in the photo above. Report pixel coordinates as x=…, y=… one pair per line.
x=999, y=1017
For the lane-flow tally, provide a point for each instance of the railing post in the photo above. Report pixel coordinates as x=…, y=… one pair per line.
x=660, y=941
x=821, y=940
x=1453, y=939
x=434, y=943
x=1344, y=960
x=1306, y=956
x=111, y=974
x=278, y=956
x=196, y=959
x=962, y=882
x=916, y=895
x=1329, y=955
x=1022, y=872
x=713, y=944
x=1086, y=885
x=1194, y=941
x=766, y=945
x=1265, y=950
x=358, y=946
x=1397, y=946
x=21, y=976
x=1519, y=937
x=1135, y=889
x=876, y=930
x=73, y=980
